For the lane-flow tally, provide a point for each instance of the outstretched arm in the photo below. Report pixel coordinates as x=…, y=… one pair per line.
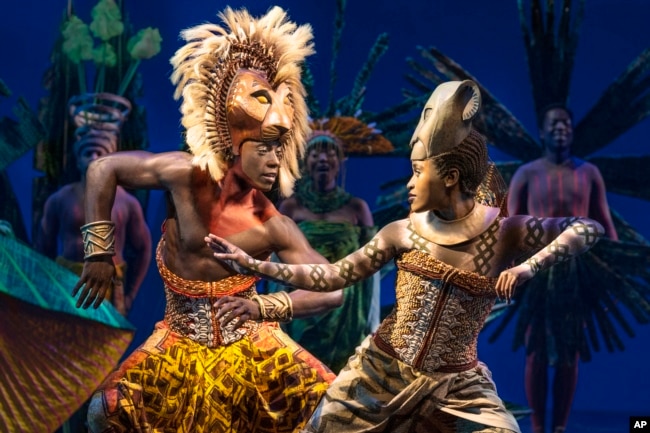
x=576, y=235
x=291, y=246
x=314, y=277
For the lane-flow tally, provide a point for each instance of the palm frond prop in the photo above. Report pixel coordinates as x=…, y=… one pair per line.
x=622, y=105
x=17, y=137
x=343, y=118
x=339, y=23
x=350, y=104
x=625, y=174
x=550, y=48
x=619, y=271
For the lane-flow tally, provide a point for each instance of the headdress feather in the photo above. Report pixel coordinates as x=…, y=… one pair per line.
x=205, y=67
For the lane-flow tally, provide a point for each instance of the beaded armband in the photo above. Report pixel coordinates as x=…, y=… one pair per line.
x=98, y=238
x=275, y=307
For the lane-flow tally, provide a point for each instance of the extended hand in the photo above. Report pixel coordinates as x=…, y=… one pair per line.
x=236, y=310
x=510, y=279
x=230, y=254
x=96, y=280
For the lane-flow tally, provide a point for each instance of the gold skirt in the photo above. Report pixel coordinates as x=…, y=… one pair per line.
x=264, y=382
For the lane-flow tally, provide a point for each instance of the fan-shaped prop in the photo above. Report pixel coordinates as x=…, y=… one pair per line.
x=52, y=355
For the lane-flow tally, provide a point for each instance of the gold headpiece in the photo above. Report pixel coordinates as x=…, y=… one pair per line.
x=446, y=119
x=206, y=65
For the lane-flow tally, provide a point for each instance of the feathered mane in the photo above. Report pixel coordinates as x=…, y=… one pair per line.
x=206, y=65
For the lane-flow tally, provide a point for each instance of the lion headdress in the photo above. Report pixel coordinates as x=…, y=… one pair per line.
x=206, y=65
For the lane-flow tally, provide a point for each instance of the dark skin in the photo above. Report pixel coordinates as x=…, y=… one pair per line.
x=557, y=184
x=323, y=166
x=518, y=237
x=235, y=207
x=64, y=213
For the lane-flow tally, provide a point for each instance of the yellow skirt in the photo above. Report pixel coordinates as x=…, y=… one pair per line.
x=262, y=383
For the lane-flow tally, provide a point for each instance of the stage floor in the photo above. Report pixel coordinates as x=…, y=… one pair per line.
x=591, y=422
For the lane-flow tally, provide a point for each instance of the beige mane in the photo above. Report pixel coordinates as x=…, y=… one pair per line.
x=206, y=65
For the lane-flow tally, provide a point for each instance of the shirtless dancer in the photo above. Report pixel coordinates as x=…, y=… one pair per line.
x=246, y=120
x=58, y=236
x=557, y=184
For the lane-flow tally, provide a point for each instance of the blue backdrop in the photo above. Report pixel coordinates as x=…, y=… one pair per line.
x=483, y=36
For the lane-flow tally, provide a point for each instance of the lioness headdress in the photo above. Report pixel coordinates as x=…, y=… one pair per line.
x=206, y=65
x=445, y=133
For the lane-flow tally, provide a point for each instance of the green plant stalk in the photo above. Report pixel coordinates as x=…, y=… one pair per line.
x=99, y=80
x=99, y=83
x=130, y=73
x=81, y=71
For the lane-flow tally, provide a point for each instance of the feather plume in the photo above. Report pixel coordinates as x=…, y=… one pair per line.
x=622, y=105
x=207, y=64
x=351, y=103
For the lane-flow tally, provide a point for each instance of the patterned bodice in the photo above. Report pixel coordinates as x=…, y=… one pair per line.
x=190, y=305
x=438, y=315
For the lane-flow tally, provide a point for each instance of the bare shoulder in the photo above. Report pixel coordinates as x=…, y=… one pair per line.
x=517, y=222
x=62, y=193
x=399, y=226
x=284, y=235
x=280, y=226
x=288, y=206
x=172, y=166
x=532, y=166
x=359, y=204
x=362, y=211
x=398, y=234
x=533, y=228
x=587, y=167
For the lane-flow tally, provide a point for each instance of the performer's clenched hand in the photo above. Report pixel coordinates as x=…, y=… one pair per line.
x=237, y=310
x=95, y=281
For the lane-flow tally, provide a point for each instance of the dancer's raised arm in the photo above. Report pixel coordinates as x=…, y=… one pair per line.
x=315, y=277
x=569, y=237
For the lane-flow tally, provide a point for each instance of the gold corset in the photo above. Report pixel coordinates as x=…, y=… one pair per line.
x=190, y=311
x=439, y=313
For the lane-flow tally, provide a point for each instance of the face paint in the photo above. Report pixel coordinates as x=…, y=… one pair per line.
x=260, y=162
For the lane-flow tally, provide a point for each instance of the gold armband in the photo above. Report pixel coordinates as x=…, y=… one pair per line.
x=275, y=307
x=98, y=238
